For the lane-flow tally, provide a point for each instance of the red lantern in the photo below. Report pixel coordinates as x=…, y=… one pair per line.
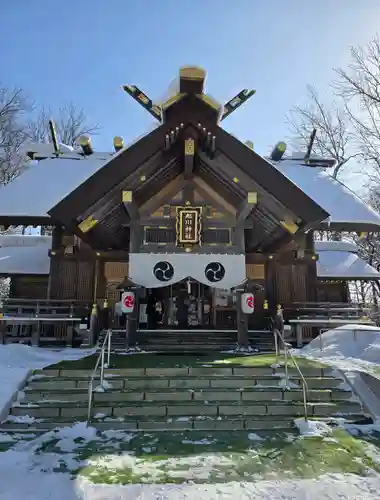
x=128, y=302
x=247, y=303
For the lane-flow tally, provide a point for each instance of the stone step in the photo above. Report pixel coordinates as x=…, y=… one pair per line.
x=185, y=409
x=167, y=395
x=178, y=383
x=276, y=423
x=210, y=371
x=186, y=348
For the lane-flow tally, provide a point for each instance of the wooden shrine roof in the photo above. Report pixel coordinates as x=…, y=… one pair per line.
x=233, y=170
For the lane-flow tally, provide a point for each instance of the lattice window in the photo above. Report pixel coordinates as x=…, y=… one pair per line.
x=159, y=235
x=216, y=236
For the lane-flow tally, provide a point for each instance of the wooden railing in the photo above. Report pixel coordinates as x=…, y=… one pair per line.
x=42, y=321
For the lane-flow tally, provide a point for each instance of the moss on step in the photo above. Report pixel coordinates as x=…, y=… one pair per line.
x=166, y=361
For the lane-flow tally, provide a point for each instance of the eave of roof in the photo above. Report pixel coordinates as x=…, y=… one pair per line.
x=337, y=246
x=339, y=264
x=45, y=182
x=262, y=171
x=346, y=210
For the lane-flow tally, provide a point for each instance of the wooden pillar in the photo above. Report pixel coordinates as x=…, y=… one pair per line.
x=270, y=283
x=311, y=279
x=242, y=322
x=101, y=284
x=57, y=235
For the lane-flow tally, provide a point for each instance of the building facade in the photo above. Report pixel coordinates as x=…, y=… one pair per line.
x=186, y=211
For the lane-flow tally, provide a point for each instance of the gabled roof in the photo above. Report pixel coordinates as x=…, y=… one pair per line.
x=280, y=197
x=347, y=211
x=339, y=260
x=111, y=173
x=261, y=170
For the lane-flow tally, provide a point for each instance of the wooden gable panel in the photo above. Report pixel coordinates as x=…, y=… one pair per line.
x=255, y=271
x=158, y=213
x=178, y=196
x=115, y=271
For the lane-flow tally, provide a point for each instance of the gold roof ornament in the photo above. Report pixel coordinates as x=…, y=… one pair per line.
x=192, y=73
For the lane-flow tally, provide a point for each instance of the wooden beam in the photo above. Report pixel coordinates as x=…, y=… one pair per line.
x=205, y=248
x=134, y=181
x=160, y=198
x=207, y=191
x=247, y=206
x=129, y=205
x=110, y=175
x=87, y=224
x=189, y=158
x=188, y=194
x=207, y=223
x=268, y=177
x=144, y=101
x=234, y=103
x=101, y=209
x=290, y=226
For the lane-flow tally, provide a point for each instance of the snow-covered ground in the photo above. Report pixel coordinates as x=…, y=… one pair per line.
x=348, y=348
x=42, y=467
x=28, y=473
x=16, y=361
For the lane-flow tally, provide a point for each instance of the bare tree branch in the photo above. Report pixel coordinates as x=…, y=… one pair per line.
x=70, y=121
x=362, y=79
x=359, y=87
x=13, y=107
x=333, y=138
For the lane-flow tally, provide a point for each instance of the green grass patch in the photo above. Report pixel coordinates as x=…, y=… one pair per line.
x=203, y=457
x=262, y=360
x=219, y=458
x=167, y=361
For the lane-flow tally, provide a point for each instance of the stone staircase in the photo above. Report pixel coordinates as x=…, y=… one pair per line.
x=192, y=341
x=176, y=399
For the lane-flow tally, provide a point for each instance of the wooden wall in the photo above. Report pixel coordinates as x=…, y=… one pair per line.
x=334, y=291
x=289, y=283
x=72, y=279
x=29, y=287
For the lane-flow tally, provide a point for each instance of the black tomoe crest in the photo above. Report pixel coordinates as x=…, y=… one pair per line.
x=215, y=272
x=163, y=271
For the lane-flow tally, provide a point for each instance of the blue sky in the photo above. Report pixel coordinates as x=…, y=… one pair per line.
x=82, y=51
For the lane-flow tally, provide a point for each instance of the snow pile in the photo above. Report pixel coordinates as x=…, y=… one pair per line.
x=329, y=487
x=353, y=347
x=68, y=436
x=28, y=471
x=16, y=360
x=312, y=428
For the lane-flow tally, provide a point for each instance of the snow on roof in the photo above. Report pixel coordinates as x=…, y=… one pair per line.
x=343, y=246
x=344, y=265
x=349, y=344
x=348, y=347
x=23, y=240
x=338, y=200
x=44, y=184
x=26, y=259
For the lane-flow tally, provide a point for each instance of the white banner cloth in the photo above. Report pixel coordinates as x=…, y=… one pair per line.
x=158, y=270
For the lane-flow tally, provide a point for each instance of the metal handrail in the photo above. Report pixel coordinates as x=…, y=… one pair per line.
x=100, y=360
x=287, y=354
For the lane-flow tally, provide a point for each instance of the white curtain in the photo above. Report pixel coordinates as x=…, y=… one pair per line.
x=158, y=270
